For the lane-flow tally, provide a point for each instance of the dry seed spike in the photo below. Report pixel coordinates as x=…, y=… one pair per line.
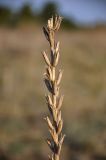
x=55, y=122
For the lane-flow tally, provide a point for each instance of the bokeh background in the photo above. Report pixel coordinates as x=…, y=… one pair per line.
x=83, y=58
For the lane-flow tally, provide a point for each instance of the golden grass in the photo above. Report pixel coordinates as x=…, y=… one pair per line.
x=52, y=81
x=84, y=83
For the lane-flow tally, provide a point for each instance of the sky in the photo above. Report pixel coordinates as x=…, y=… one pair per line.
x=82, y=11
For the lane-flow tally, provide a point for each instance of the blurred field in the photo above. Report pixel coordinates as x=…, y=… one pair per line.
x=22, y=103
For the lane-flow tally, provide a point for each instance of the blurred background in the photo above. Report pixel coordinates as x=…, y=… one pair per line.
x=83, y=58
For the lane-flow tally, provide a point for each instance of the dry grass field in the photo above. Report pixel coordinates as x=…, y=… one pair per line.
x=22, y=103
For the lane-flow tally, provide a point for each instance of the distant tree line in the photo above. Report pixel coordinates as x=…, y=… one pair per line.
x=25, y=14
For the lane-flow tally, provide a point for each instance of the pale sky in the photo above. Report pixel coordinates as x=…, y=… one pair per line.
x=83, y=11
